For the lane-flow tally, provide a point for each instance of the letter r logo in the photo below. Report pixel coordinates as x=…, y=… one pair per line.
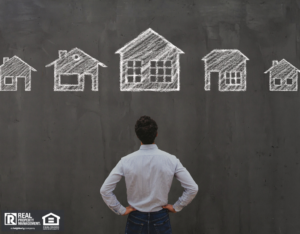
x=10, y=219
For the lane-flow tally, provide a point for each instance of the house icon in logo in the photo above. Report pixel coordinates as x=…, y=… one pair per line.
x=51, y=219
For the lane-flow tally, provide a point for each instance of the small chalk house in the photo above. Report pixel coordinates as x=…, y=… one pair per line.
x=149, y=63
x=51, y=219
x=13, y=69
x=75, y=63
x=231, y=68
x=283, y=76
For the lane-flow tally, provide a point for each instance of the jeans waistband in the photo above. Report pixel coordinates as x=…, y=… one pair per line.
x=154, y=212
x=148, y=216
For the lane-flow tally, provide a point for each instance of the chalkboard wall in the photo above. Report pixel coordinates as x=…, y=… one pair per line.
x=242, y=148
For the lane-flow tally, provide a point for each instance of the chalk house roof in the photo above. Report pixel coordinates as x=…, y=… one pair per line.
x=150, y=39
x=281, y=65
x=16, y=59
x=224, y=54
x=74, y=51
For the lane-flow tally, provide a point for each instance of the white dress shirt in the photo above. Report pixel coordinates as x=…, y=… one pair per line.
x=148, y=173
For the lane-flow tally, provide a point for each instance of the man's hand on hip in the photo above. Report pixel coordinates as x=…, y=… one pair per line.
x=128, y=210
x=170, y=208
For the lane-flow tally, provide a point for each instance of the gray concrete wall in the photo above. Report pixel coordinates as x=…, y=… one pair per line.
x=242, y=148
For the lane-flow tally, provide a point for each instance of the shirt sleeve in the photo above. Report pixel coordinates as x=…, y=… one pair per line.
x=109, y=186
x=189, y=185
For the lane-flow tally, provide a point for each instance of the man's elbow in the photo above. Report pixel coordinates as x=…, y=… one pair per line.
x=103, y=191
x=195, y=189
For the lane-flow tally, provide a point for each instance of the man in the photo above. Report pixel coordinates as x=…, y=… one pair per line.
x=148, y=175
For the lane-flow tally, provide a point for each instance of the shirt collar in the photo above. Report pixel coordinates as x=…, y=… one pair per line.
x=148, y=147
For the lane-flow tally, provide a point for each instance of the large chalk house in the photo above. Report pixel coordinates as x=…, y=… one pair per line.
x=149, y=63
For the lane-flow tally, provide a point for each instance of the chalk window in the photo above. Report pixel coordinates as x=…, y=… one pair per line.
x=233, y=78
x=8, y=80
x=277, y=81
x=161, y=71
x=289, y=81
x=76, y=57
x=134, y=71
x=69, y=79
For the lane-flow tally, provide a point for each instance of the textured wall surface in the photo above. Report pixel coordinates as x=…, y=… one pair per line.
x=242, y=148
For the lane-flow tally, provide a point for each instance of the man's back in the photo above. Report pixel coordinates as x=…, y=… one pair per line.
x=149, y=173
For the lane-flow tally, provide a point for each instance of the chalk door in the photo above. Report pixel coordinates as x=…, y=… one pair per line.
x=214, y=81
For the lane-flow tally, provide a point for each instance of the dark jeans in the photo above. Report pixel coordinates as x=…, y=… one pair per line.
x=148, y=222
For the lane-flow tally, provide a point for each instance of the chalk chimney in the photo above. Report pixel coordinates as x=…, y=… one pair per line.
x=5, y=59
x=62, y=53
x=274, y=62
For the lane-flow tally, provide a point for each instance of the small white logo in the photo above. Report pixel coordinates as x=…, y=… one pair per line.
x=51, y=219
x=10, y=218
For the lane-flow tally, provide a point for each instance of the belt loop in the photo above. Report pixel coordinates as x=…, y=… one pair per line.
x=148, y=222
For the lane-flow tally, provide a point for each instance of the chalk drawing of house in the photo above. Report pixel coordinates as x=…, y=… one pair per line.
x=283, y=76
x=51, y=219
x=149, y=63
x=230, y=64
x=13, y=69
x=75, y=63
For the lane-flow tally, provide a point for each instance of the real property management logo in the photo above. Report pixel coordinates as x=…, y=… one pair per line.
x=32, y=220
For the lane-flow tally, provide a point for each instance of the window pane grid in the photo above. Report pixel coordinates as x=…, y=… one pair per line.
x=161, y=71
x=233, y=78
x=134, y=71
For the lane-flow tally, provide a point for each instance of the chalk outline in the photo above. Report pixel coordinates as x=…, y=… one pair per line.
x=64, y=54
x=176, y=65
x=222, y=88
x=14, y=85
x=284, y=87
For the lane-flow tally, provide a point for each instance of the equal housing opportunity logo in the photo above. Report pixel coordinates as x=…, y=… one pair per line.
x=51, y=222
x=31, y=220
